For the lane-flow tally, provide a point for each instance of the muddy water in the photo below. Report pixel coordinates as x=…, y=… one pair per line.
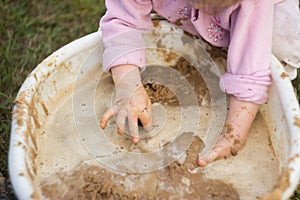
x=172, y=182
x=70, y=152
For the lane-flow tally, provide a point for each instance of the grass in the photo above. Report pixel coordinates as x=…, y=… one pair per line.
x=30, y=31
x=296, y=195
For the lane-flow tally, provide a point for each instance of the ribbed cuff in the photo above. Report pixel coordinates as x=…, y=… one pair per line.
x=251, y=88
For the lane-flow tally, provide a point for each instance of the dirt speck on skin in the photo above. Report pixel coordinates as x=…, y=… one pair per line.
x=175, y=181
x=229, y=128
x=244, y=107
x=233, y=152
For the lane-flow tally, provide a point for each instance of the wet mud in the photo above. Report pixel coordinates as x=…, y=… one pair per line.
x=176, y=181
x=160, y=93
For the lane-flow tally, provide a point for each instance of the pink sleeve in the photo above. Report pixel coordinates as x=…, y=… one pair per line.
x=249, y=52
x=122, y=26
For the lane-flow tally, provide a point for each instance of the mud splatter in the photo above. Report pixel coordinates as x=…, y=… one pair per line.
x=297, y=121
x=284, y=75
x=281, y=186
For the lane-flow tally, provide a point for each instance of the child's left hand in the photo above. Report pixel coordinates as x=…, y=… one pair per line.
x=131, y=102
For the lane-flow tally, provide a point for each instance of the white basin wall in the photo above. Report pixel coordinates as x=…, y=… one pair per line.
x=52, y=79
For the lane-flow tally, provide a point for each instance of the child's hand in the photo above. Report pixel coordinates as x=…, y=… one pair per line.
x=239, y=120
x=131, y=102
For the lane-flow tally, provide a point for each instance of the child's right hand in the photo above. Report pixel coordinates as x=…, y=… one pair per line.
x=239, y=119
x=131, y=102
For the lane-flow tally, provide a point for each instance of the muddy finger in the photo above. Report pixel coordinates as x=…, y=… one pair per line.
x=106, y=116
x=133, y=127
x=122, y=115
x=210, y=157
x=146, y=118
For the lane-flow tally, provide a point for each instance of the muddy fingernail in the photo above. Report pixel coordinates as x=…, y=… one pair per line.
x=201, y=162
x=135, y=140
x=102, y=124
x=120, y=131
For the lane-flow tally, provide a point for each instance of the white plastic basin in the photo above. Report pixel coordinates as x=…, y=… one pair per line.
x=271, y=172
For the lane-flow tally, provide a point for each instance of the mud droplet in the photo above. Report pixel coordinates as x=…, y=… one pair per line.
x=233, y=151
x=229, y=128
x=297, y=121
x=284, y=75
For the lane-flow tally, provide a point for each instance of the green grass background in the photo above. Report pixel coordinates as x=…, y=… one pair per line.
x=30, y=31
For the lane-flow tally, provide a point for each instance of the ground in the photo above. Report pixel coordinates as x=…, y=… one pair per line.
x=31, y=30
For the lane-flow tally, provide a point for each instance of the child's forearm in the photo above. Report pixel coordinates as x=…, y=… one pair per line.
x=240, y=116
x=238, y=122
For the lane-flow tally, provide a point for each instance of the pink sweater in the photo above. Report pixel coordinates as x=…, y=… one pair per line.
x=245, y=28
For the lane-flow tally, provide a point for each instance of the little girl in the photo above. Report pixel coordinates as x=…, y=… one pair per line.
x=251, y=29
